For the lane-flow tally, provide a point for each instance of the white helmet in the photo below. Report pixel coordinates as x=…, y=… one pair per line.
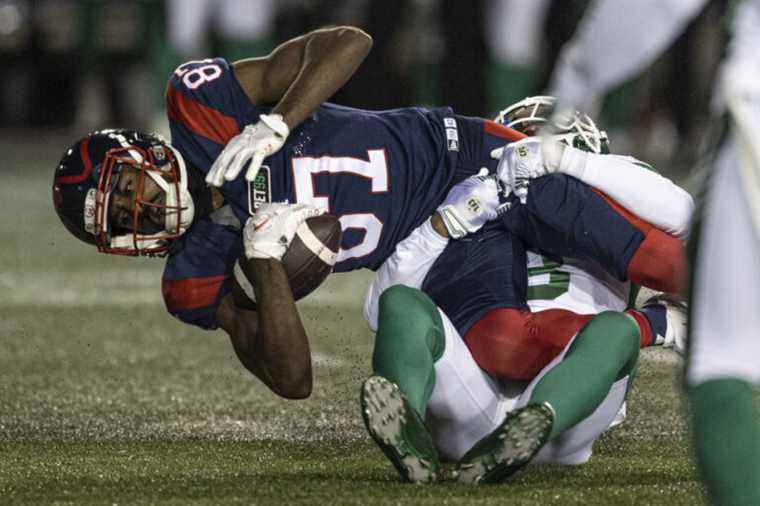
x=575, y=129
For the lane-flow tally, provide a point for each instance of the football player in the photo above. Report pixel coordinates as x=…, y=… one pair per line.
x=722, y=371
x=382, y=173
x=427, y=377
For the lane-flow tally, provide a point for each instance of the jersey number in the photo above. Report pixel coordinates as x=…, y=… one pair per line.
x=551, y=282
x=192, y=78
x=375, y=169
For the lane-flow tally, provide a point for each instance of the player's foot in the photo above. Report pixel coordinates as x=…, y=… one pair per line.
x=511, y=446
x=676, y=317
x=399, y=431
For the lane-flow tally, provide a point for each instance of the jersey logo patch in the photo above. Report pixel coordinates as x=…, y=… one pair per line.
x=260, y=190
x=452, y=135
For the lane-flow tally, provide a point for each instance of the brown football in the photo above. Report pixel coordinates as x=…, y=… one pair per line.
x=307, y=262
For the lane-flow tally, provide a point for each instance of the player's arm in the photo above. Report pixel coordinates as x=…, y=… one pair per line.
x=631, y=183
x=296, y=78
x=635, y=186
x=271, y=342
x=301, y=73
x=466, y=208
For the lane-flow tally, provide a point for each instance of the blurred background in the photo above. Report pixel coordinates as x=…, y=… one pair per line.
x=70, y=66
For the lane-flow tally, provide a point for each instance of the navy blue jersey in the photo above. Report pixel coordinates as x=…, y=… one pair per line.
x=478, y=273
x=382, y=173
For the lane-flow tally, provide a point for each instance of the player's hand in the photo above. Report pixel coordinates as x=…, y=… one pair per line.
x=269, y=232
x=521, y=161
x=469, y=205
x=254, y=143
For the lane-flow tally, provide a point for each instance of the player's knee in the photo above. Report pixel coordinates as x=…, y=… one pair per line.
x=617, y=329
x=402, y=300
x=409, y=329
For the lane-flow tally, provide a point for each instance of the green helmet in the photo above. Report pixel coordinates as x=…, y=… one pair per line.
x=575, y=129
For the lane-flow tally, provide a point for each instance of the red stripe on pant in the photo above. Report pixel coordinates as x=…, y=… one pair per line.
x=660, y=261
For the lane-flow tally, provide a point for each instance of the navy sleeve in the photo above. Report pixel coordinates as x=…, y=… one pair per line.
x=206, y=107
x=198, y=270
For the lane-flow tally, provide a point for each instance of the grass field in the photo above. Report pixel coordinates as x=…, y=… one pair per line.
x=105, y=399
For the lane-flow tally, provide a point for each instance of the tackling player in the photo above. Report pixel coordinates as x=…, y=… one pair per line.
x=420, y=349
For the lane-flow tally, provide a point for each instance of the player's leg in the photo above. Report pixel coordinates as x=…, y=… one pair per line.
x=408, y=342
x=723, y=369
x=565, y=217
x=466, y=403
x=604, y=353
x=481, y=282
x=513, y=344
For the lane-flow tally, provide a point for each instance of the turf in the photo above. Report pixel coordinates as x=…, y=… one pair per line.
x=105, y=399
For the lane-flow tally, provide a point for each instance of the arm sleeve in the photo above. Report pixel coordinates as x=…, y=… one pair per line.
x=635, y=186
x=198, y=270
x=206, y=107
x=408, y=265
x=616, y=40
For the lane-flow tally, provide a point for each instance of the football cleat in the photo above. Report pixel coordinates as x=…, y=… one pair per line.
x=508, y=448
x=676, y=319
x=399, y=431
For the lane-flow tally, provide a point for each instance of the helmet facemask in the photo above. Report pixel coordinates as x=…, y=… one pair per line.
x=572, y=128
x=154, y=221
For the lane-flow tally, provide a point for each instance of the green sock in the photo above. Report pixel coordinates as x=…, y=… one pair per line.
x=409, y=340
x=727, y=440
x=605, y=351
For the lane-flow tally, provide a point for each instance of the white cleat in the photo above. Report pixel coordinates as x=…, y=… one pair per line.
x=398, y=430
x=511, y=446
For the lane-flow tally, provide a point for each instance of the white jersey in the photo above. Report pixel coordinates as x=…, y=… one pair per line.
x=578, y=286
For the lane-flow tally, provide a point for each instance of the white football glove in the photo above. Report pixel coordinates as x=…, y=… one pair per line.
x=527, y=159
x=254, y=143
x=469, y=205
x=269, y=232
